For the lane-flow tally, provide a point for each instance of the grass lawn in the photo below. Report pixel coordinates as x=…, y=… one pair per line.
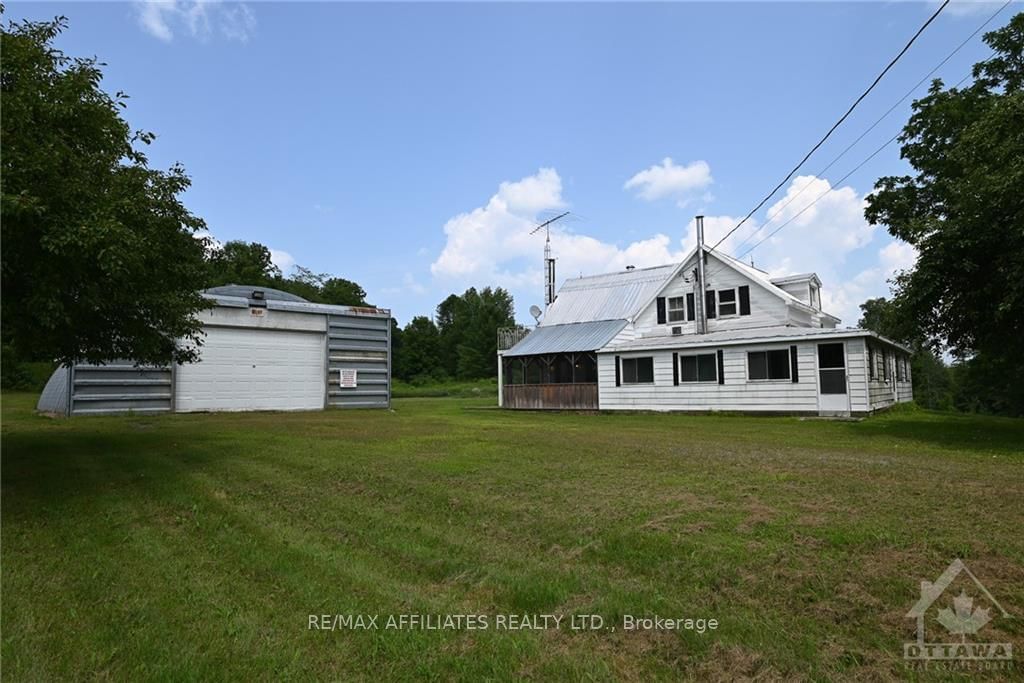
x=197, y=546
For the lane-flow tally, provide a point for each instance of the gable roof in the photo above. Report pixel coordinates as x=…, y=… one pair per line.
x=625, y=294
x=611, y=296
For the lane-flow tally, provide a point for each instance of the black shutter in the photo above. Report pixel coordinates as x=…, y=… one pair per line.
x=618, y=372
x=745, y=300
x=675, y=369
x=661, y=310
x=691, y=311
x=709, y=301
x=792, y=364
x=721, y=367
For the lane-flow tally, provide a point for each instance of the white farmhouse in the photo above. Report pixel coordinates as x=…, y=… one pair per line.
x=642, y=339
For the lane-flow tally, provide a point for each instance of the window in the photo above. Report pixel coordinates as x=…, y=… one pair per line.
x=768, y=364
x=726, y=302
x=638, y=370
x=872, y=373
x=699, y=368
x=676, y=309
x=815, y=298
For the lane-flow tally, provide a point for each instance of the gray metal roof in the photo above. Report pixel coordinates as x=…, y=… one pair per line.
x=745, y=336
x=569, y=338
x=612, y=296
x=269, y=293
x=301, y=306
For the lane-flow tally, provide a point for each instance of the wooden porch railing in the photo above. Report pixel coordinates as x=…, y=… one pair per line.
x=550, y=396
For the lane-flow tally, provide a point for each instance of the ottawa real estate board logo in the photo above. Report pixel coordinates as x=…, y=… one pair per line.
x=955, y=623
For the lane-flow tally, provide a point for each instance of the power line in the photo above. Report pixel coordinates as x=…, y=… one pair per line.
x=832, y=188
x=836, y=124
x=870, y=128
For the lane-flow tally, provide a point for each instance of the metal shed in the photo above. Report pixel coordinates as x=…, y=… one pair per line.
x=263, y=349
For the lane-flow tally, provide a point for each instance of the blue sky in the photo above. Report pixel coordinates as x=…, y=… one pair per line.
x=409, y=147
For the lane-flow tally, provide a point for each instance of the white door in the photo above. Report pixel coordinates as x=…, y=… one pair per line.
x=254, y=369
x=833, y=392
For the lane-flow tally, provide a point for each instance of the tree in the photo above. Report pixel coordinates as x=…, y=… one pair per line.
x=420, y=349
x=963, y=210
x=342, y=292
x=321, y=288
x=468, y=329
x=933, y=385
x=242, y=263
x=101, y=260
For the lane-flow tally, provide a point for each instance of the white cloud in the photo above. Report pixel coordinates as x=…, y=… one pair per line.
x=897, y=256
x=492, y=244
x=237, y=22
x=283, y=260
x=966, y=8
x=824, y=236
x=671, y=180
x=197, y=18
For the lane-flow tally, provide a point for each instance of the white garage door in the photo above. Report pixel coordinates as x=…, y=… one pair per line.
x=254, y=369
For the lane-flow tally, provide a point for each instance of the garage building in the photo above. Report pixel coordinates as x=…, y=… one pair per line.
x=264, y=349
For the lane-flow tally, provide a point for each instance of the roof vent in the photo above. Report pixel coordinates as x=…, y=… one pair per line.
x=630, y=267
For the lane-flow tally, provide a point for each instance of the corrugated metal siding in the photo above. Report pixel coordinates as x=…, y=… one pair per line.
x=363, y=343
x=120, y=387
x=54, y=399
x=567, y=338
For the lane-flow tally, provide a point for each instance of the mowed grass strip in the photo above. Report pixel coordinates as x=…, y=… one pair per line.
x=196, y=546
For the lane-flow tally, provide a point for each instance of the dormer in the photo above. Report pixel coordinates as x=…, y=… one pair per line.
x=806, y=287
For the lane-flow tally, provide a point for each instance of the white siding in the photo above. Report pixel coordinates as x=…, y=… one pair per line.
x=857, y=374
x=736, y=394
x=883, y=393
x=766, y=309
x=801, y=290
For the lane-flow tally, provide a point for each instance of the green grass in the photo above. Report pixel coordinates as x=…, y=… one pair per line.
x=477, y=388
x=195, y=546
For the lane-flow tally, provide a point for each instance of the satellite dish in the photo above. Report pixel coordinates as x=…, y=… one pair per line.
x=535, y=312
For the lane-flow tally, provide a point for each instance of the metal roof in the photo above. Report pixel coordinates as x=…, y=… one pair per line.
x=568, y=338
x=612, y=296
x=745, y=336
x=269, y=293
x=301, y=306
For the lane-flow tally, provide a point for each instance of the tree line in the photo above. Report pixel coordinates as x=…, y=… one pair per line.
x=101, y=259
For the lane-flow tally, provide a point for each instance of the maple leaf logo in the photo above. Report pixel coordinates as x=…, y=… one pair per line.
x=964, y=618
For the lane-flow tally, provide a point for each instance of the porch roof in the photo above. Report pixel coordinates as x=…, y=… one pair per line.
x=568, y=338
x=747, y=336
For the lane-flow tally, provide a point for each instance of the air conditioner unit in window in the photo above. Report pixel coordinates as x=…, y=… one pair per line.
x=677, y=330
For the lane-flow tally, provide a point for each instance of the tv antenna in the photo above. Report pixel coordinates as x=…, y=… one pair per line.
x=549, y=263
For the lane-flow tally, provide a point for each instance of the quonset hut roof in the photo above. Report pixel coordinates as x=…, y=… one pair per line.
x=569, y=338
x=612, y=296
x=245, y=291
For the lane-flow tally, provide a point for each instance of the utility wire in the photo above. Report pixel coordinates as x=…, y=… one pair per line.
x=836, y=124
x=879, y=120
x=831, y=189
